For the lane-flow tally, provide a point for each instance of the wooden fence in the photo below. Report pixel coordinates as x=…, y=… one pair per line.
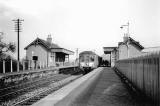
x=10, y=65
x=144, y=73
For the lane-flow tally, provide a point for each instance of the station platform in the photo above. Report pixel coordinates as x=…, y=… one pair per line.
x=102, y=87
x=109, y=91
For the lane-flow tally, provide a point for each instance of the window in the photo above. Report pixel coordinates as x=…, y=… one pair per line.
x=82, y=58
x=92, y=58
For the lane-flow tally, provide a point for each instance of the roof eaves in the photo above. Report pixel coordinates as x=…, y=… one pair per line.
x=41, y=41
x=31, y=43
x=45, y=44
x=68, y=50
x=136, y=43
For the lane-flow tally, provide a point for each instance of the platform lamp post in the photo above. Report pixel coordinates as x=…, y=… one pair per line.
x=127, y=35
x=126, y=25
x=18, y=23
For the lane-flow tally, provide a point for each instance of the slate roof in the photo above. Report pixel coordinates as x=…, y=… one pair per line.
x=52, y=45
x=132, y=41
x=46, y=44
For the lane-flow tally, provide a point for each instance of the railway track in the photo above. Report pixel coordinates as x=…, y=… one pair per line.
x=28, y=93
x=14, y=91
x=55, y=86
x=32, y=99
x=8, y=89
x=20, y=87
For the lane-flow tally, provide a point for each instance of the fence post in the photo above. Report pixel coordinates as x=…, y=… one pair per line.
x=3, y=66
x=17, y=66
x=36, y=65
x=48, y=65
x=11, y=66
x=23, y=65
x=29, y=65
x=40, y=64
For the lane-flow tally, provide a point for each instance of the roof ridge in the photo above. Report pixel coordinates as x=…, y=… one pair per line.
x=50, y=44
x=136, y=42
x=45, y=43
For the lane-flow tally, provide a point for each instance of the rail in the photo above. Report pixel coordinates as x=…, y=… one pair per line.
x=68, y=94
x=30, y=100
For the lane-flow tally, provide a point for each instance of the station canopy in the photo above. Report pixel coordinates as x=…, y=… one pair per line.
x=108, y=50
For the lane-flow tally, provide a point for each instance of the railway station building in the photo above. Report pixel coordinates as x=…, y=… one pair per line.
x=129, y=48
x=44, y=53
x=112, y=52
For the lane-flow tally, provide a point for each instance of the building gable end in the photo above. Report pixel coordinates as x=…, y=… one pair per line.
x=36, y=42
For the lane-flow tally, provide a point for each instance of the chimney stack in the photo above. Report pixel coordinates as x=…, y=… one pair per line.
x=125, y=38
x=49, y=39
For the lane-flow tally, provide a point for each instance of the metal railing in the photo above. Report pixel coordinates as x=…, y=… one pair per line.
x=144, y=73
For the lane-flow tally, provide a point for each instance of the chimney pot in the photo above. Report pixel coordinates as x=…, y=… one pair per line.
x=49, y=39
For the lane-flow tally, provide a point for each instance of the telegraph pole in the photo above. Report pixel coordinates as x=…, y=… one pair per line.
x=18, y=30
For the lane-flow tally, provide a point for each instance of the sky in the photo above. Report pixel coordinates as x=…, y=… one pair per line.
x=82, y=24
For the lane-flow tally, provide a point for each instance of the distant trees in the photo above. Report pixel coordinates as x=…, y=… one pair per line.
x=7, y=60
x=6, y=47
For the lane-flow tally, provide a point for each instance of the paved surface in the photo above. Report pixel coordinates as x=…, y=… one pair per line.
x=101, y=87
x=72, y=92
x=109, y=91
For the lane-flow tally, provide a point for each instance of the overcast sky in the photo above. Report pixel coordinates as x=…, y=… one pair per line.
x=83, y=24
